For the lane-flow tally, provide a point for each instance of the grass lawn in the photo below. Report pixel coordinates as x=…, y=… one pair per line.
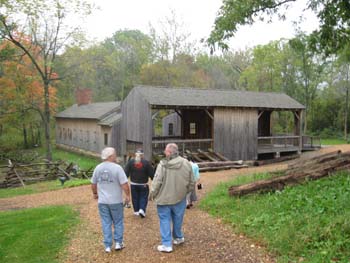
x=35, y=235
x=333, y=141
x=306, y=223
x=84, y=162
x=41, y=187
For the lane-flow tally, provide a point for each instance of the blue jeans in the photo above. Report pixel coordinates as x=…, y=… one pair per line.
x=139, y=194
x=171, y=214
x=112, y=213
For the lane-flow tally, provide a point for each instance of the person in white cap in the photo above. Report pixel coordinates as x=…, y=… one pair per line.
x=108, y=183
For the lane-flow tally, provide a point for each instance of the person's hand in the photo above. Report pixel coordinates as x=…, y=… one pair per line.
x=150, y=197
x=127, y=199
x=95, y=196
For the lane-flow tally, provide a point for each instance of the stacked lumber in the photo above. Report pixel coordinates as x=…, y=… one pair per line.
x=298, y=172
x=220, y=165
x=213, y=161
x=276, y=160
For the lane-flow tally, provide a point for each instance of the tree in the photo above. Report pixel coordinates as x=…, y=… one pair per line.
x=343, y=69
x=334, y=18
x=309, y=70
x=44, y=23
x=21, y=93
x=265, y=72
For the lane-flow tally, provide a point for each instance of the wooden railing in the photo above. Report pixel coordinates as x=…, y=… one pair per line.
x=311, y=142
x=268, y=144
x=158, y=146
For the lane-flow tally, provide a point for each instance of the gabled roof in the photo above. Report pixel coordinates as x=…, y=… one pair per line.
x=98, y=110
x=112, y=118
x=163, y=96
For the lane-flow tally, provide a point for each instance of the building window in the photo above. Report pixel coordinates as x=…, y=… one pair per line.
x=106, y=139
x=192, y=128
x=171, y=129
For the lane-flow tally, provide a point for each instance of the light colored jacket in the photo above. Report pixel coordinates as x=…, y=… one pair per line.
x=172, y=181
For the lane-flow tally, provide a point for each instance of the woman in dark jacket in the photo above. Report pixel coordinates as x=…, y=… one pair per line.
x=139, y=170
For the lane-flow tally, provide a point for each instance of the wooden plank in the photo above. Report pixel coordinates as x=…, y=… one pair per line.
x=207, y=155
x=218, y=168
x=220, y=156
x=19, y=178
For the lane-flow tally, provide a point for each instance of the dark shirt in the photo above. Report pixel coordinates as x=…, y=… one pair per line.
x=139, y=172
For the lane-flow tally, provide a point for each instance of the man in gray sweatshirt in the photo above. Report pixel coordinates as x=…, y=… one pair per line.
x=172, y=181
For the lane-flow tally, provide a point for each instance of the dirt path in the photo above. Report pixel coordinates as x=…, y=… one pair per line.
x=207, y=239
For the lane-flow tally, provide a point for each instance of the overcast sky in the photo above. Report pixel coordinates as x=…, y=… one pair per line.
x=197, y=15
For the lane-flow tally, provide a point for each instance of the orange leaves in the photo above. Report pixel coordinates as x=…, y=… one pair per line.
x=21, y=87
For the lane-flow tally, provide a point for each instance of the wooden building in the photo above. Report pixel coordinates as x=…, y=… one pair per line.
x=88, y=126
x=233, y=123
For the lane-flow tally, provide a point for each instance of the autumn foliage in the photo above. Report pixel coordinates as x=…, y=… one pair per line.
x=21, y=88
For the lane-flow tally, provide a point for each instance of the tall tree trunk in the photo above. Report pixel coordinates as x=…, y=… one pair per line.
x=32, y=135
x=346, y=105
x=25, y=137
x=47, y=122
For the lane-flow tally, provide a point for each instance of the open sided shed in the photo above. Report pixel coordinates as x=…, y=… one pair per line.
x=233, y=123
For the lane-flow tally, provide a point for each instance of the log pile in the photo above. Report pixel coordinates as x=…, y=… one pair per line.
x=298, y=172
x=220, y=165
x=276, y=160
x=16, y=175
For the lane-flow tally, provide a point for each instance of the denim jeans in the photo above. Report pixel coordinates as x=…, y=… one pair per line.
x=171, y=214
x=112, y=214
x=139, y=194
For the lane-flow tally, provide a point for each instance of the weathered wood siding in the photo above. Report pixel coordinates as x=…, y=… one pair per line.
x=116, y=137
x=236, y=133
x=136, y=123
x=82, y=134
x=175, y=119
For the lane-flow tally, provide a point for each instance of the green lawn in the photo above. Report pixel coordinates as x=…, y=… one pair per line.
x=35, y=235
x=306, y=223
x=41, y=187
x=84, y=162
x=333, y=141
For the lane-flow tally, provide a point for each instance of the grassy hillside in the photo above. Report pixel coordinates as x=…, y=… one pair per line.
x=306, y=223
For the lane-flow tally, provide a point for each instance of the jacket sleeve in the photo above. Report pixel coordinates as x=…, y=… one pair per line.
x=157, y=182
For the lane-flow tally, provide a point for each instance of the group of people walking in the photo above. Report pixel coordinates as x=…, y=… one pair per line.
x=172, y=189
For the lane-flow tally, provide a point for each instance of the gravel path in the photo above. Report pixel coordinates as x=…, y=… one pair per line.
x=207, y=238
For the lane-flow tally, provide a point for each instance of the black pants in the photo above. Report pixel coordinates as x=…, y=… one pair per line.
x=139, y=194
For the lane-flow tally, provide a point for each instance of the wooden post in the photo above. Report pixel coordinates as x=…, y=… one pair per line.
x=19, y=178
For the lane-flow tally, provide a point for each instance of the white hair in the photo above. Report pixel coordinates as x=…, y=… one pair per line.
x=173, y=148
x=107, y=152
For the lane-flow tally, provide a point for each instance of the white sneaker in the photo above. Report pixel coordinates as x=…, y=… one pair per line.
x=136, y=213
x=179, y=240
x=108, y=250
x=162, y=248
x=142, y=213
x=119, y=246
